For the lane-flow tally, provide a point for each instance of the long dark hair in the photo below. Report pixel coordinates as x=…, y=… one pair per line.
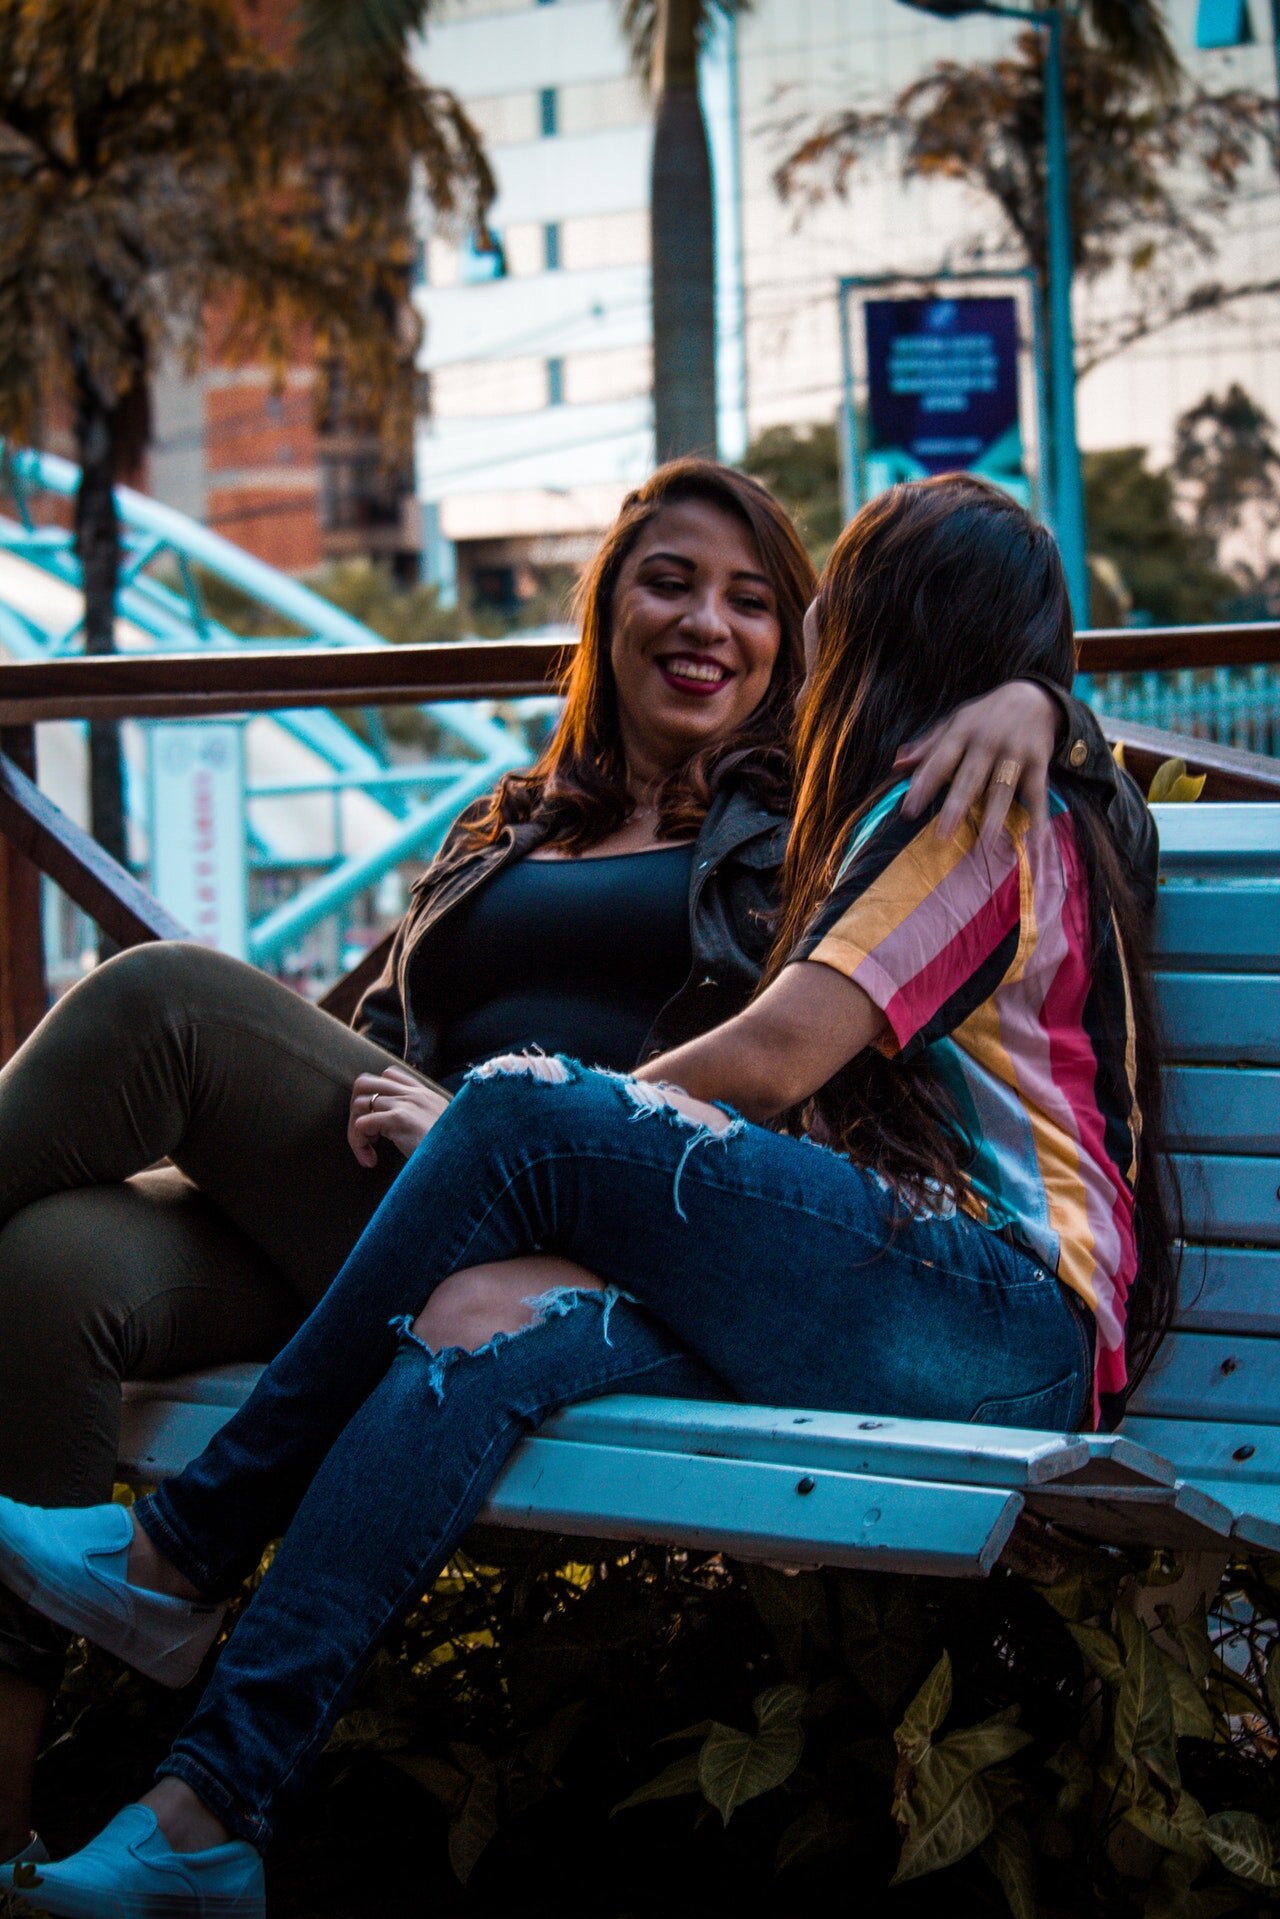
x=937, y=592
x=577, y=787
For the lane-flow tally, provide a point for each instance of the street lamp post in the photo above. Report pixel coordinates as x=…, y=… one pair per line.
x=1068, y=488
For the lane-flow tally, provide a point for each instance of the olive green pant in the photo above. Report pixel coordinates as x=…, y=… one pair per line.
x=109, y=1271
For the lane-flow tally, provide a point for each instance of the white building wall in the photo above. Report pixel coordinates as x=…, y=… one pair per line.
x=498, y=458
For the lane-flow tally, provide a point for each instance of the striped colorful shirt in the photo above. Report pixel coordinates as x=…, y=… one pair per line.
x=985, y=958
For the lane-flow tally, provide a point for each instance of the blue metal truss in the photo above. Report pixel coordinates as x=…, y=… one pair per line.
x=169, y=614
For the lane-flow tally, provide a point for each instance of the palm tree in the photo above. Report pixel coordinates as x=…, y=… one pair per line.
x=665, y=38
x=158, y=163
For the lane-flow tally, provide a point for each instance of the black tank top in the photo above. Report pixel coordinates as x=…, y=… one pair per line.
x=573, y=956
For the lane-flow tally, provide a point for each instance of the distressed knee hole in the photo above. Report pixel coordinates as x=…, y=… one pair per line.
x=548, y=1067
x=656, y=1097
x=707, y=1125
x=442, y=1353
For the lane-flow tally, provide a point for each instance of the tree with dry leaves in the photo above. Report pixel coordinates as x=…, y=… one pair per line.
x=160, y=164
x=1155, y=162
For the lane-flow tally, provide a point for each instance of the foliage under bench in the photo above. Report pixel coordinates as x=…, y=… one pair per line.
x=1195, y=1465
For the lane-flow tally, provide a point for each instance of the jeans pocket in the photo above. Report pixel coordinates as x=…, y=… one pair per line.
x=1054, y=1408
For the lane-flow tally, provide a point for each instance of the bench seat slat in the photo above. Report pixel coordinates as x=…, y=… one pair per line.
x=1230, y=1197
x=1222, y=1109
x=1256, y=1509
x=1221, y=1017
x=1181, y=1517
x=752, y=1509
x=843, y=1442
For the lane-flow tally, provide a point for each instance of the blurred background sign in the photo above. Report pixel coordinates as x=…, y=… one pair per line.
x=941, y=378
x=198, y=857
x=942, y=391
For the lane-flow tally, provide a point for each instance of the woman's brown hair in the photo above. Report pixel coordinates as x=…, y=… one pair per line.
x=577, y=787
x=937, y=592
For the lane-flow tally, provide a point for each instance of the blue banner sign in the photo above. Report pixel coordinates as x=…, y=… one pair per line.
x=942, y=391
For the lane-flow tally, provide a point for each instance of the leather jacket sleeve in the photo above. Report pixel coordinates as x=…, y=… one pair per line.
x=1082, y=752
x=380, y=1014
x=1083, y=756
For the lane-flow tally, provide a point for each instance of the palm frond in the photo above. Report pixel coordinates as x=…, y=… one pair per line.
x=1136, y=34
x=639, y=20
x=361, y=30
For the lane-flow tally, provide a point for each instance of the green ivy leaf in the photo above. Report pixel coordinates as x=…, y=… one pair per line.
x=680, y=1777
x=734, y=1767
x=1179, y=1830
x=1244, y=1844
x=545, y=1748
x=1192, y=1718
x=368, y=1729
x=974, y=1748
x=1170, y=1894
x=475, y=1825
x=1144, y=1710
x=925, y=1713
x=1008, y=1852
x=945, y=1828
x=884, y=1637
x=1076, y=1774
x=1082, y=1593
x=444, y=1782
x=807, y=1837
x=794, y=1608
x=1271, y=1685
x=1101, y=1651
x=1191, y=1636
x=947, y=1810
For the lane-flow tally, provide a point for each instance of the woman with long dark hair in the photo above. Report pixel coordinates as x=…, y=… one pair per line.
x=960, y=1019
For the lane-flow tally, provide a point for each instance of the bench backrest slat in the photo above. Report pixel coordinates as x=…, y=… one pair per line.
x=1222, y=1109
x=1221, y=1018
x=1229, y=1289
x=1230, y=1197
x=1213, y=1376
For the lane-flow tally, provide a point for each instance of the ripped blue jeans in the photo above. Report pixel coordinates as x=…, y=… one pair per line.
x=796, y=1278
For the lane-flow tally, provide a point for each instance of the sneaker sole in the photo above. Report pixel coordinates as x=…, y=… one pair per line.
x=83, y=1902
x=171, y=1669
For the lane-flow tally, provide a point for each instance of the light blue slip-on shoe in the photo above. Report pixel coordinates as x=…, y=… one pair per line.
x=130, y=1871
x=71, y=1564
x=34, y=1853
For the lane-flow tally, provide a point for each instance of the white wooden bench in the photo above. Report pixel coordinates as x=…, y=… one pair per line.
x=1197, y=1461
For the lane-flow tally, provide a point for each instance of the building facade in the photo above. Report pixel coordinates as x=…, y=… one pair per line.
x=537, y=341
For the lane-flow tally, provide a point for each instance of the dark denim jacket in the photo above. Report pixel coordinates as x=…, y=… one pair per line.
x=732, y=896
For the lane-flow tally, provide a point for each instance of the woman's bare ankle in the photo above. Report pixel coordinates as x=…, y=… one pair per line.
x=183, y=1817
x=150, y=1571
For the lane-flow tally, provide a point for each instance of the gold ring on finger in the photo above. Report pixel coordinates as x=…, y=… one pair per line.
x=1008, y=773
x=373, y=1100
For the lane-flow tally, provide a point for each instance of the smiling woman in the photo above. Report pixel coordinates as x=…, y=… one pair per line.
x=696, y=633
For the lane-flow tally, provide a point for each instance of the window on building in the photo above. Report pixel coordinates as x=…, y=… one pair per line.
x=547, y=111
x=551, y=236
x=555, y=382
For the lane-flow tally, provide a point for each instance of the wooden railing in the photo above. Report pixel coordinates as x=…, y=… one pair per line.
x=36, y=838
